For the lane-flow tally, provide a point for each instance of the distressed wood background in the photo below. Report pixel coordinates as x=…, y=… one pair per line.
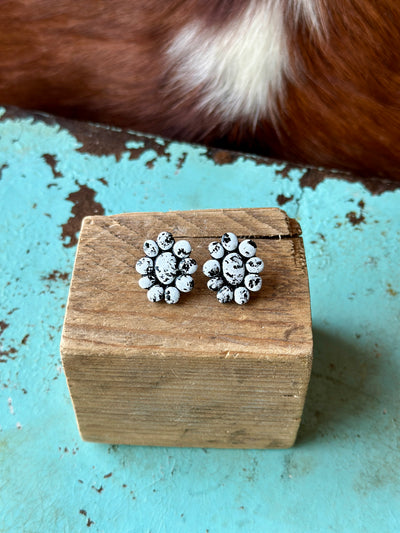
x=345, y=464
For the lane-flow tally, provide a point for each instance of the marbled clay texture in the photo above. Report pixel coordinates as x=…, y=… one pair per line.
x=234, y=269
x=166, y=269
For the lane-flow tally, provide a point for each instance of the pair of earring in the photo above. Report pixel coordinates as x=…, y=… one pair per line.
x=167, y=268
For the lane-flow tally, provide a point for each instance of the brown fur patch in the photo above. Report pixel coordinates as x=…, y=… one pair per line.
x=106, y=63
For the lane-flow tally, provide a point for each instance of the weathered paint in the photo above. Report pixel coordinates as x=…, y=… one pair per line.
x=342, y=475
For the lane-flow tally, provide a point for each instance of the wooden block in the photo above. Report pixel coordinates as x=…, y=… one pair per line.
x=198, y=373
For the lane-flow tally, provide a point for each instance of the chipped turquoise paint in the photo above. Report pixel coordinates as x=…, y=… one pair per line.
x=342, y=475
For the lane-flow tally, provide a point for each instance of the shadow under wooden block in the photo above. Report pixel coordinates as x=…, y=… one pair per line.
x=198, y=373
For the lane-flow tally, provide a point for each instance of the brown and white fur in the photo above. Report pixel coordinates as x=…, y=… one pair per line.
x=312, y=81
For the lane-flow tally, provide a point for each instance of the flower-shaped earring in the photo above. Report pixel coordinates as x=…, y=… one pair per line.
x=234, y=269
x=166, y=270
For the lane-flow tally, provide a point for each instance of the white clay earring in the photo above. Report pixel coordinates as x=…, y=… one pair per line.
x=234, y=269
x=166, y=269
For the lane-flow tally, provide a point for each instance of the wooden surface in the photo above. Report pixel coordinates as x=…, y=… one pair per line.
x=346, y=461
x=198, y=373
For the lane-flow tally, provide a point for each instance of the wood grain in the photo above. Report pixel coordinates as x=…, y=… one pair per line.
x=198, y=373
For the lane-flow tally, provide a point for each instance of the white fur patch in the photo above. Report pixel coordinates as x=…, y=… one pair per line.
x=311, y=10
x=239, y=67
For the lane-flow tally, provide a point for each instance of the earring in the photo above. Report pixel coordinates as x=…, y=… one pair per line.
x=167, y=268
x=234, y=269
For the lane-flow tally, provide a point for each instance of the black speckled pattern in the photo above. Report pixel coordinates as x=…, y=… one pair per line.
x=166, y=270
x=234, y=269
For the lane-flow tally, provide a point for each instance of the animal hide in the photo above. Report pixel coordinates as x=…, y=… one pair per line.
x=311, y=81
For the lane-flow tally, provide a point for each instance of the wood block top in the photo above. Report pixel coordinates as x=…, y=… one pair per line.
x=108, y=313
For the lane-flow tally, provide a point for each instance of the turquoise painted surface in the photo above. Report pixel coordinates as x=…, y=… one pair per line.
x=342, y=475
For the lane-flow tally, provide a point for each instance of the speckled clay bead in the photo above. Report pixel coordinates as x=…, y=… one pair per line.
x=248, y=248
x=172, y=295
x=155, y=293
x=255, y=265
x=146, y=282
x=229, y=241
x=225, y=295
x=187, y=266
x=233, y=269
x=165, y=240
x=182, y=249
x=144, y=265
x=241, y=295
x=184, y=283
x=150, y=248
x=166, y=268
x=215, y=284
x=253, y=282
x=211, y=268
x=216, y=250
